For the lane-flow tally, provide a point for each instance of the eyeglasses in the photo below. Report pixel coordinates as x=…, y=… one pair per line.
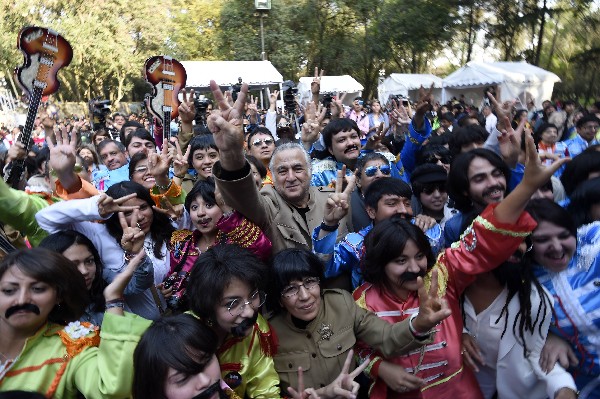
x=372, y=170
x=434, y=159
x=292, y=290
x=256, y=300
x=258, y=142
x=428, y=190
x=283, y=124
x=140, y=169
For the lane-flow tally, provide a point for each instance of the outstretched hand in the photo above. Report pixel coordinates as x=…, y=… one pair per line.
x=187, y=109
x=536, y=174
x=432, y=308
x=107, y=205
x=63, y=154
x=116, y=288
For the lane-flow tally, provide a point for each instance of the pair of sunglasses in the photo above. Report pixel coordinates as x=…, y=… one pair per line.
x=372, y=170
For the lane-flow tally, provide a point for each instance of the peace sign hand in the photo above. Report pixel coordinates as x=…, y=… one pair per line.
x=107, y=205
x=432, y=308
x=133, y=236
x=315, y=85
x=253, y=106
x=302, y=393
x=158, y=164
x=376, y=138
x=180, y=161
x=336, y=206
x=187, y=109
x=344, y=385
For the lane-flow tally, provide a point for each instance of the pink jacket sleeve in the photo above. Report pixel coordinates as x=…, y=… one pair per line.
x=236, y=229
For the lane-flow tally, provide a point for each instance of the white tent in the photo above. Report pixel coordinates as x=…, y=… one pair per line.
x=258, y=74
x=331, y=85
x=517, y=80
x=407, y=85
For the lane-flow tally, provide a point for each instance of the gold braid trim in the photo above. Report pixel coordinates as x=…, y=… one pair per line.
x=442, y=277
x=245, y=234
x=443, y=380
x=489, y=226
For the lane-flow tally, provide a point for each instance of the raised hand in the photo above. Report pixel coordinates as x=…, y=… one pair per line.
x=115, y=290
x=273, y=99
x=425, y=102
x=509, y=141
x=400, y=113
x=187, y=109
x=432, y=308
x=536, y=174
x=16, y=152
x=253, y=106
x=310, y=128
x=337, y=106
x=180, y=161
x=338, y=203
x=226, y=127
x=315, y=85
x=107, y=205
x=132, y=240
x=374, y=141
x=171, y=211
x=158, y=163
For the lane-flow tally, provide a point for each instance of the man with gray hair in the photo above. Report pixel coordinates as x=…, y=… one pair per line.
x=286, y=212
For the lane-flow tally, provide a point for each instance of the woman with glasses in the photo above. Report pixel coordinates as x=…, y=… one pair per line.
x=317, y=328
x=214, y=222
x=261, y=144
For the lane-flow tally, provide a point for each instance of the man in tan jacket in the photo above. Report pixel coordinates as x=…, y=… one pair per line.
x=288, y=211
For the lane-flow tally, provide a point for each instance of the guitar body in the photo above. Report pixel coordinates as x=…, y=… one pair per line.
x=167, y=77
x=39, y=46
x=45, y=52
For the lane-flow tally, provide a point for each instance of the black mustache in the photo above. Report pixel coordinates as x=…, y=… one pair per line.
x=240, y=329
x=30, y=307
x=411, y=276
x=492, y=189
x=210, y=391
x=351, y=148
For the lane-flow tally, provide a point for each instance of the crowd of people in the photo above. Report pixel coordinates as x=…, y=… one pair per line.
x=401, y=250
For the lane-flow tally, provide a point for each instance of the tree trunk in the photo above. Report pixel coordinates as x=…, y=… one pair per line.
x=538, y=50
x=553, y=46
x=471, y=33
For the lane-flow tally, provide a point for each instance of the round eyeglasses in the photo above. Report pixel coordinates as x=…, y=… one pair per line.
x=293, y=289
x=256, y=300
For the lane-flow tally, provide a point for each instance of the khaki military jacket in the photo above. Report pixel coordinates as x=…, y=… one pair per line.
x=322, y=347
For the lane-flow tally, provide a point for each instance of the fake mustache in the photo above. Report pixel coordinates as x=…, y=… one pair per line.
x=30, y=307
x=210, y=391
x=351, y=148
x=411, y=276
x=240, y=329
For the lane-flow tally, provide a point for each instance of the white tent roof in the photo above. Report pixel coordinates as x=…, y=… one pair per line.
x=480, y=74
x=226, y=73
x=402, y=83
x=333, y=84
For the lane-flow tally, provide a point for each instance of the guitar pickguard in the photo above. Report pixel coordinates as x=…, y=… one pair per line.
x=29, y=74
x=158, y=102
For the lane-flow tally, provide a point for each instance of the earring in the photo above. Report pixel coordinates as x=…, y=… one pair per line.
x=209, y=322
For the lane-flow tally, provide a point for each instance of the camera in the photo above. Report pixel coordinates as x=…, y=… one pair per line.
x=398, y=99
x=177, y=281
x=235, y=89
x=201, y=105
x=289, y=96
x=98, y=109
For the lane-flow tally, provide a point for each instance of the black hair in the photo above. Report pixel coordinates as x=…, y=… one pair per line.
x=579, y=169
x=336, y=126
x=538, y=133
x=458, y=178
x=122, y=137
x=433, y=149
x=262, y=171
x=447, y=116
x=203, y=142
x=586, y=195
x=140, y=133
x=587, y=118
x=258, y=130
x=213, y=271
x=386, y=242
x=381, y=187
x=204, y=189
x=293, y=264
x=370, y=156
x=546, y=210
x=160, y=229
x=428, y=168
x=180, y=342
x=57, y=271
x=467, y=135
x=63, y=240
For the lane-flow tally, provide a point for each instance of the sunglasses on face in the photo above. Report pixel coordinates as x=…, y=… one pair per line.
x=372, y=170
x=258, y=142
x=428, y=190
x=434, y=159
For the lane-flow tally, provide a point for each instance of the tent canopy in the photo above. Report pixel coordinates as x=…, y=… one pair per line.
x=257, y=74
x=331, y=85
x=407, y=85
x=518, y=80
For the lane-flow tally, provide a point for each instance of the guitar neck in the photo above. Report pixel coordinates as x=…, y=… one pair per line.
x=166, y=126
x=34, y=103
